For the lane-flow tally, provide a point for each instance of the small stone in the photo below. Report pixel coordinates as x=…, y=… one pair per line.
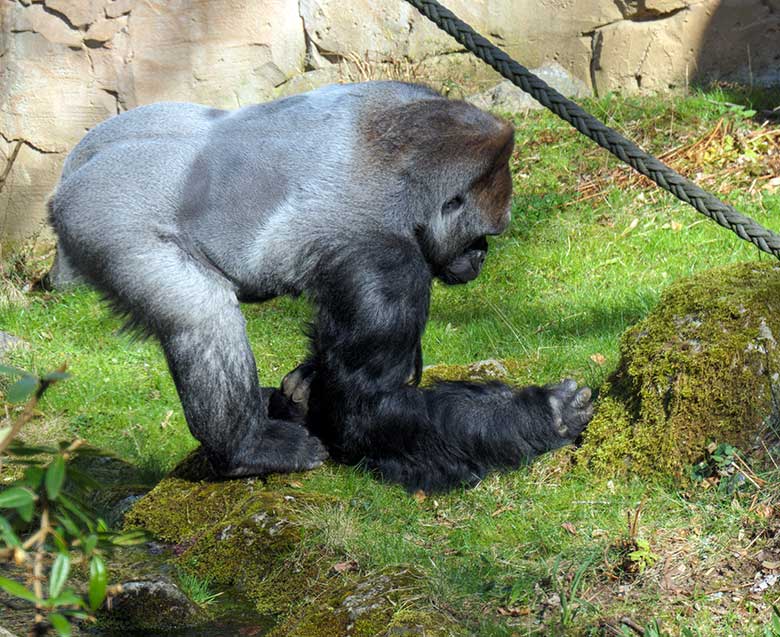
x=508, y=98
x=152, y=604
x=488, y=369
x=9, y=343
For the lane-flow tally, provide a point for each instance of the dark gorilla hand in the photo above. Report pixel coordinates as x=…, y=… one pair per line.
x=571, y=408
x=467, y=266
x=291, y=400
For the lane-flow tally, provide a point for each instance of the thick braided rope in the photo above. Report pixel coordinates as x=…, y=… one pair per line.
x=626, y=150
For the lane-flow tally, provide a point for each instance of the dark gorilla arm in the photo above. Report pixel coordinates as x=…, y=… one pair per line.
x=373, y=305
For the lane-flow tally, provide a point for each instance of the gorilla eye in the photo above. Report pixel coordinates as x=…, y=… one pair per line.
x=453, y=205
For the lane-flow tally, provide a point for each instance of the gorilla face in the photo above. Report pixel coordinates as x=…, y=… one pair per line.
x=467, y=266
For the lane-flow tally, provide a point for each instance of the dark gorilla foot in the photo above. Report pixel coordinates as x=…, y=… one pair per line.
x=297, y=385
x=572, y=408
x=291, y=400
x=283, y=447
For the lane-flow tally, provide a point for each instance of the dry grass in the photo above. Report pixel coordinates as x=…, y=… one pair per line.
x=725, y=158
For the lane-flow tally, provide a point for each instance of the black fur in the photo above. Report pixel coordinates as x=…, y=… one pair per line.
x=373, y=306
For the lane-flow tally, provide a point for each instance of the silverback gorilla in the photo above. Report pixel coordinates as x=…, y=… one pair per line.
x=356, y=196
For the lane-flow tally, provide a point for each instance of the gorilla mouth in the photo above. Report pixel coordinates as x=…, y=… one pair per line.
x=467, y=266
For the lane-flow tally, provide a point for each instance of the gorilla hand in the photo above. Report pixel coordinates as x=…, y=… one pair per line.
x=571, y=407
x=467, y=266
x=291, y=400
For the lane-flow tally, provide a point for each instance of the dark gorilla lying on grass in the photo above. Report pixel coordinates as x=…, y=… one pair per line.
x=355, y=195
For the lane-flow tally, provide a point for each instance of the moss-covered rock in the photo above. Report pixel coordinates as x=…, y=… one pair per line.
x=699, y=368
x=481, y=371
x=365, y=607
x=249, y=535
x=151, y=606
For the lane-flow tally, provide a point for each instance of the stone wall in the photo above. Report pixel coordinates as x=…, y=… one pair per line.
x=65, y=65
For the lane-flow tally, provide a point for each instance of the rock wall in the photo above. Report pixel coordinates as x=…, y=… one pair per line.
x=65, y=65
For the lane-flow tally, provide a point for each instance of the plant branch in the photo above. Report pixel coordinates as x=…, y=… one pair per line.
x=29, y=409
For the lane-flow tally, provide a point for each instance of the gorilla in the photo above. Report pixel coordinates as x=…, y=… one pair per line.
x=356, y=196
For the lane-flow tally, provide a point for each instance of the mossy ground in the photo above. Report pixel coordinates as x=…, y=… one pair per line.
x=524, y=553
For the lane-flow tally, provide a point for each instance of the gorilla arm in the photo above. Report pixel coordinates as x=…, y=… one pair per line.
x=364, y=344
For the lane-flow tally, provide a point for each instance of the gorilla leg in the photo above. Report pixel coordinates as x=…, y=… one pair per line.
x=215, y=375
x=167, y=289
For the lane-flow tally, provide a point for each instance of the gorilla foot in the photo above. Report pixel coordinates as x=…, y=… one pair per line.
x=297, y=385
x=283, y=447
x=291, y=400
x=571, y=407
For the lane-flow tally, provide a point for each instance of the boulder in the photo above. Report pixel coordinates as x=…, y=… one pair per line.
x=151, y=605
x=703, y=367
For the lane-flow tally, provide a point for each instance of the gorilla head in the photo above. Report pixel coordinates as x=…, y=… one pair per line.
x=455, y=159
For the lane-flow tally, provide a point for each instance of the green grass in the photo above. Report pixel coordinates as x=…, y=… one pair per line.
x=198, y=590
x=557, y=289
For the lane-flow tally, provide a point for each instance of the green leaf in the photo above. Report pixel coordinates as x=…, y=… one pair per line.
x=59, y=574
x=55, y=477
x=7, y=532
x=15, y=497
x=69, y=524
x=12, y=371
x=98, y=582
x=22, y=389
x=55, y=376
x=130, y=538
x=67, y=598
x=17, y=590
x=59, y=539
x=75, y=508
x=26, y=511
x=90, y=543
x=60, y=623
x=21, y=449
x=33, y=476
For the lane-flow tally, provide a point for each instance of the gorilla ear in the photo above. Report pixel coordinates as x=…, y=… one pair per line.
x=477, y=136
x=493, y=189
x=500, y=147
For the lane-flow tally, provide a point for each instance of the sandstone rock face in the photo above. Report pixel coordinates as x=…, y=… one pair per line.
x=709, y=39
x=66, y=65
